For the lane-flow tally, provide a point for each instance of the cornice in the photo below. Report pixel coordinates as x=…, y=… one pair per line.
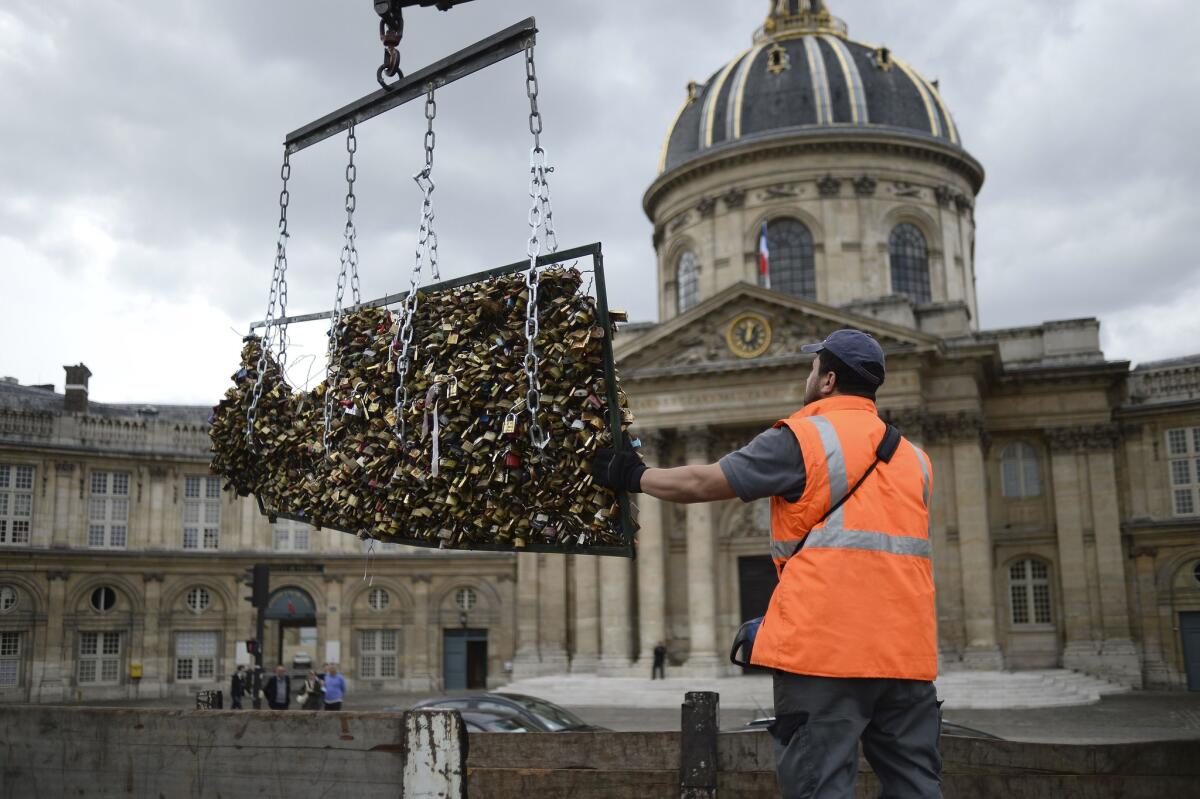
x=779, y=144
x=1084, y=438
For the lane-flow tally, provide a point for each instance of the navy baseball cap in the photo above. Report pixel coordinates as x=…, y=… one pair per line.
x=856, y=349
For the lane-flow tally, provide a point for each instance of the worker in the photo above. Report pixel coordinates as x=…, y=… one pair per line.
x=851, y=630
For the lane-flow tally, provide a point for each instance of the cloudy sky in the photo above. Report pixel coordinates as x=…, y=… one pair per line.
x=140, y=149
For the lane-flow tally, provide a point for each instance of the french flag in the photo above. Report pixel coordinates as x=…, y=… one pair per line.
x=764, y=259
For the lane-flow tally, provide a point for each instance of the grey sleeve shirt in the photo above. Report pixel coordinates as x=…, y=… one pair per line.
x=769, y=466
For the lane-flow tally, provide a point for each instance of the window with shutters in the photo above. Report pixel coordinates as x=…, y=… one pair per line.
x=1183, y=464
x=10, y=660
x=687, y=281
x=1020, y=475
x=791, y=261
x=1029, y=593
x=910, y=262
x=99, y=658
x=201, y=512
x=16, y=503
x=195, y=656
x=291, y=536
x=108, y=510
x=377, y=654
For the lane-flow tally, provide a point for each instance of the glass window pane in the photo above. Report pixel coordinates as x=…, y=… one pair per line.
x=9, y=673
x=23, y=478
x=367, y=667
x=22, y=505
x=791, y=262
x=212, y=513
x=97, y=509
x=1032, y=487
x=87, y=643
x=1038, y=569
x=191, y=538
x=5, y=475
x=120, y=483
x=10, y=644
x=206, y=668
x=109, y=670
x=95, y=535
x=20, y=532
x=1010, y=478
x=910, y=263
x=3, y=504
x=99, y=482
x=191, y=486
x=687, y=278
x=87, y=671
x=191, y=513
x=281, y=539
x=1020, y=607
x=212, y=538
x=183, y=669
x=387, y=640
x=1181, y=472
x=111, y=643
x=1184, y=504
x=387, y=666
x=116, y=535
x=1041, y=604
x=213, y=488
x=300, y=540
x=118, y=510
x=1177, y=442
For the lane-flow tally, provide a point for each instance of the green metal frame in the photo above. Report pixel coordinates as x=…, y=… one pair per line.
x=593, y=251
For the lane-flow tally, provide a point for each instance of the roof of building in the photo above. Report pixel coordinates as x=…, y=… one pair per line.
x=804, y=74
x=16, y=397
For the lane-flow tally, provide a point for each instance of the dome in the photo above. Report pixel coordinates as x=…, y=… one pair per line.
x=804, y=75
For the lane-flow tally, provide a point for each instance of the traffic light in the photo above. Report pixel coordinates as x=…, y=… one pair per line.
x=252, y=647
x=258, y=578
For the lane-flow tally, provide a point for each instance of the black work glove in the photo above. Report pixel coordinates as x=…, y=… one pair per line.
x=619, y=470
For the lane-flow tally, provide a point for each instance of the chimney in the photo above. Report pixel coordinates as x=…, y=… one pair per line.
x=76, y=389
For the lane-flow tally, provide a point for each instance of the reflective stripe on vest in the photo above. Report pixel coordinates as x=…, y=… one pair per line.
x=833, y=534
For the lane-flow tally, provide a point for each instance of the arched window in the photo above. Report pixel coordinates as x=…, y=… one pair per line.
x=687, y=281
x=1019, y=476
x=793, y=267
x=910, y=262
x=1029, y=592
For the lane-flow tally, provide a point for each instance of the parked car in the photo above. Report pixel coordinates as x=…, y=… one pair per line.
x=545, y=716
x=479, y=721
x=948, y=728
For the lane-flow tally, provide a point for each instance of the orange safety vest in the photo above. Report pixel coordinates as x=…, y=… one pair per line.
x=857, y=599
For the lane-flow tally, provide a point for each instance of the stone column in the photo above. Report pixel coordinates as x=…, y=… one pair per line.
x=552, y=613
x=65, y=492
x=421, y=634
x=1076, y=614
x=333, y=619
x=1118, y=652
x=586, y=656
x=1155, y=674
x=155, y=533
x=154, y=650
x=47, y=680
x=651, y=560
x=526, y=663
x=963, y=433
x=703, y=660
x=616, y=586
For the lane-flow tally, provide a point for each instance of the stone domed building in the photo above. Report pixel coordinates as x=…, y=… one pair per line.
x=1065, y=516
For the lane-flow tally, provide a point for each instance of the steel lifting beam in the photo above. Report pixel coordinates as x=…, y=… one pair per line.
x=482, y=54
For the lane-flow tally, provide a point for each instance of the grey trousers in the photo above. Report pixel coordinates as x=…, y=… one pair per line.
x=818, y=724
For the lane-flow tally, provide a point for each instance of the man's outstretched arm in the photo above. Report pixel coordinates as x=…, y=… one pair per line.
x=680, y=484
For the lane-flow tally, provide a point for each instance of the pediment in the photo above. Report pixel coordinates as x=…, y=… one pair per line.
x=697, y=340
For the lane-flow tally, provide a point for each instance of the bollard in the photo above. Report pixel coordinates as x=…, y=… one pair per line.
x=698, y=745
x=435, y=755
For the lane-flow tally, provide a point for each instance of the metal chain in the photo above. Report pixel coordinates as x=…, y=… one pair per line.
x=349, y=267
x=277, y=296
x=541, y=237
x=426, y=251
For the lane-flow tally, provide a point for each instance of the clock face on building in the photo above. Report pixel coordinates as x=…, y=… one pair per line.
x=749, y=335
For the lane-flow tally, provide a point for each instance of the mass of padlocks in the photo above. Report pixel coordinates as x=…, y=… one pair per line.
x=455, y=467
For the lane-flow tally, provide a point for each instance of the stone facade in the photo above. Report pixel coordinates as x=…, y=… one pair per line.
x=383, y=616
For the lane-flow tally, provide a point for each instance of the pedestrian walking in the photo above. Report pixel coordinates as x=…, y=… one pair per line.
x=851, y=629
x=311, y=693
x=658, y=669
x=237, y=687
x=278, y=689
x=335, y=687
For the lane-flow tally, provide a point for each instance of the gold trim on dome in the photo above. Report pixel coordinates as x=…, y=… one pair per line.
x=709, y=115
x=935, y=125
x=740, y=91
x=662, y=155
x=739, y=345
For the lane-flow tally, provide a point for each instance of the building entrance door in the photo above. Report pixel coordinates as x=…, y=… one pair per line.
x=291, y=629
x=464, y=659
x=756, y=583
x=1189, y=628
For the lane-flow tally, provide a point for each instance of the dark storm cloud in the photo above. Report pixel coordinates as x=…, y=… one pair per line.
x=141, y=146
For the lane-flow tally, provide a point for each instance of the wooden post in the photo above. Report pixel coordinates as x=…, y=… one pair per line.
x=435, y=755
x=698, y=745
